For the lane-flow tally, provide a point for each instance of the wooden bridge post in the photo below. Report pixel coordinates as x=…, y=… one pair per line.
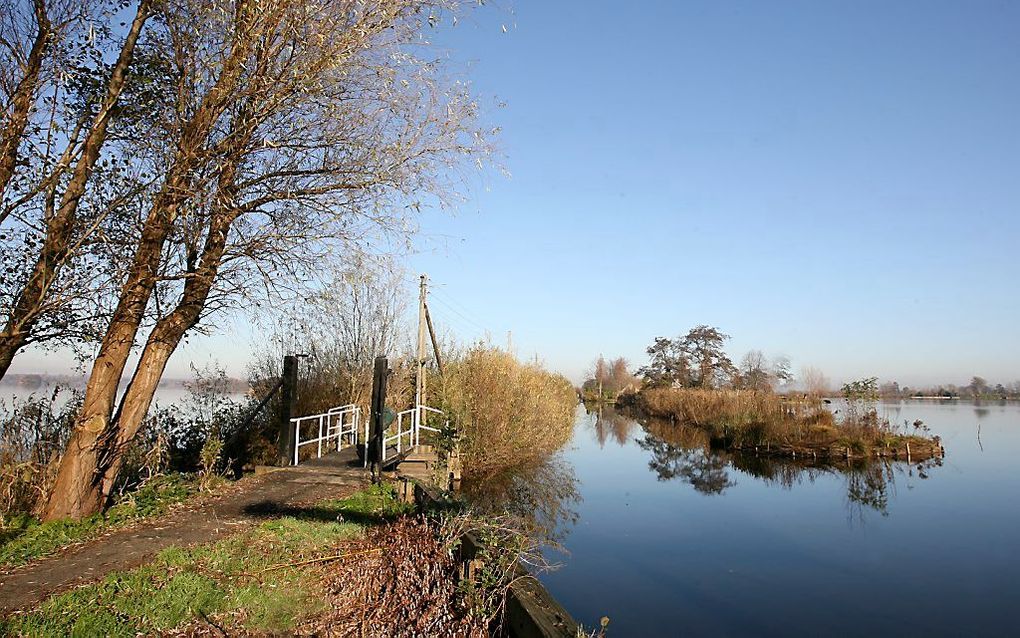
x=377, y=417
x=288, y=397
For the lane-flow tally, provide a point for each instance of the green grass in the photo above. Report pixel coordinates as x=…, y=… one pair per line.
x=23, y=538
x=248, y=581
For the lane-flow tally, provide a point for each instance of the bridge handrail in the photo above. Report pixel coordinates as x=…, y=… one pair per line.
x=335, y=427
x=334, y=424
x=413, y=433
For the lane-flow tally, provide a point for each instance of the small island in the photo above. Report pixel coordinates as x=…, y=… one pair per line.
x=691, y=382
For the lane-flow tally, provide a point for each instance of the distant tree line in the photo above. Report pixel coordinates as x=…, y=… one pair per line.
x=978, y=388
x=698, y=360
x=608, y=378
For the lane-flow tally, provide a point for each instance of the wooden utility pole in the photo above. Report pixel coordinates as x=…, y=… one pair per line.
x=599, y=373
x=420, y=383
x=377, y=416
x=288, y=397
x=435, y=343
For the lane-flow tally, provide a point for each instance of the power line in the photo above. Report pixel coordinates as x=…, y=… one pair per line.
x=460, y=314
x=460, y=326
x=449, y=298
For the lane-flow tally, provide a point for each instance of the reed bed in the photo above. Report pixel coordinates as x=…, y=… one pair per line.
x=507, y=413
x=33, y=433
x=771, y=424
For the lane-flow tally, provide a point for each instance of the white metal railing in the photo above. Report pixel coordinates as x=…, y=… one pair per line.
x=335, y=423
x=413, y=432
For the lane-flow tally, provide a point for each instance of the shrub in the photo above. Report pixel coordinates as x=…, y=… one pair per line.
x=507, y=413
x=861, y=397
x=33, y=433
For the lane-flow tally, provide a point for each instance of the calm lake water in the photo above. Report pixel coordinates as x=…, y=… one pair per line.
x=671, y=539
x=165, y=395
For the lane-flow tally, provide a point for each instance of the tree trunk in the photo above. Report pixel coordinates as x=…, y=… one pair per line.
x=77, y=491
x=31, y=300
x=94, y=447
x=161, y=344
x=95, y=443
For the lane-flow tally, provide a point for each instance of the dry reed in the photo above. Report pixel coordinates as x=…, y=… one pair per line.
x=769, y=423
x=507, y=413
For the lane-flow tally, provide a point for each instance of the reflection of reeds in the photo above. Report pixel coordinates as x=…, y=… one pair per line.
x=769, y=424
x=678, y=434
x=542, y=498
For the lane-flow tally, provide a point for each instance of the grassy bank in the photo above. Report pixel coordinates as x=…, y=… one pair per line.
x=341, y=567
x=769, y=424
x=507, y=413
x=23, y=538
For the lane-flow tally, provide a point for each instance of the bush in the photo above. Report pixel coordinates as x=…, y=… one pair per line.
x=33, y=433
x=507, y=413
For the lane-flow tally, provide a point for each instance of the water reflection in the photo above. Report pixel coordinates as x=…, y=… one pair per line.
x=684, y=454
x=606, y=422
x=543, y=498
x=737, y=545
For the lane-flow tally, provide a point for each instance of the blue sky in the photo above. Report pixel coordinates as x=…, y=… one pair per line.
x=838, y=182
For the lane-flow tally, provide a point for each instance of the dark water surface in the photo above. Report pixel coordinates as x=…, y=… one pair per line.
x=673, y=539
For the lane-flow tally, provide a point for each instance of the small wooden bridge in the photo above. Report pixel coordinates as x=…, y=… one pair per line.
x=407, y=442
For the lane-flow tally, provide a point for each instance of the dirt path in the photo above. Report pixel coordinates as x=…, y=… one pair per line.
x=333, y=476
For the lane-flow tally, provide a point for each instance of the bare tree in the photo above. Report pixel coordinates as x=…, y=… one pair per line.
x=619, y=375
x=754, y=372
x=758, y=372
x=780, y=371
x=815, y=383
x=304, y=132
x=27, y=35
x=353, y=319
x=599, y=375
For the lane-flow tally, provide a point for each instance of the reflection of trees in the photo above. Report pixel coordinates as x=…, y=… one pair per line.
x=705, y=471
x=542, y=497
x=684, y=453
x=785, y=473
x=868, y=484
x=607, y=421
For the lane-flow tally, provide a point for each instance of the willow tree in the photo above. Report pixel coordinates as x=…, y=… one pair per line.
x=298, y=133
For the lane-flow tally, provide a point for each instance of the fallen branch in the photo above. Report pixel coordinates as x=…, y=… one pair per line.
x=324, y=559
